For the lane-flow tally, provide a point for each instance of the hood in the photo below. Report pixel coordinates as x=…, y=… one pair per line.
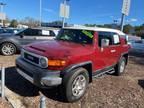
x=6, y=34
x=58, y=49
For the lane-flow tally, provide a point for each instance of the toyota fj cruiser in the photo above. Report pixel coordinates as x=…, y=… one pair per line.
x=74, y=58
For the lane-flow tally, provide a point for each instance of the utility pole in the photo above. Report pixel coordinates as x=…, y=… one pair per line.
x=64, y=11
x=65, y=3
x=122, y=21
x=1, y=9
x=125, y=11
x=40, y=19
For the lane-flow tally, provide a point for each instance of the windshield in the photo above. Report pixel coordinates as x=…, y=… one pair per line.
x=20, y=32
x=77, y=36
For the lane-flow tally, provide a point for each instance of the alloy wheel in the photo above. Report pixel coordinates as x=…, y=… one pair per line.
x=8, y=49
x=79, y=86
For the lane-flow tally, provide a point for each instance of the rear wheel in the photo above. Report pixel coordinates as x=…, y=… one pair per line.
x=75, y=84
x=8, y=49
x=120, y=67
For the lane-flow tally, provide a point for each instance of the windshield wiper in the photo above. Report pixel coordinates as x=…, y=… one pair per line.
x=64, y=40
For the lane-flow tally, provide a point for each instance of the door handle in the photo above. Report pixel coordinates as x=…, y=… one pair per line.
x=113, y=51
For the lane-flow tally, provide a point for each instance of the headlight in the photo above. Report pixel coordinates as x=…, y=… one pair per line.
x=43, y=62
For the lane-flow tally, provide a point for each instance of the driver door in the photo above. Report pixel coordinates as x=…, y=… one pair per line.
x=27, y=36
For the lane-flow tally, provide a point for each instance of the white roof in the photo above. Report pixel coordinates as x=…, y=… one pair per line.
x=97, y=29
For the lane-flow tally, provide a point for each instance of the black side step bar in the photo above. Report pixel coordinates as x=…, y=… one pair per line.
x=102, y=73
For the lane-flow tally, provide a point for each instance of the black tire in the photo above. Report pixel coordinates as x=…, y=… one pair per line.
x=70, y=79
x=11, y=51
x=118, y=69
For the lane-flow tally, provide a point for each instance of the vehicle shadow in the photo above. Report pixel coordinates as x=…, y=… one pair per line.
x=18, y=84
x=141, y=83
x=21, y=86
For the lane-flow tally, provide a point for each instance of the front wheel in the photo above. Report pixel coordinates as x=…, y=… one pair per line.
x=76, y=84
x=8, y=49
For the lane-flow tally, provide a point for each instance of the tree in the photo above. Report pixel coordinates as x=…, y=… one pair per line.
x=90, y=25
x=30, y=22
x=53, y=24
x=14, y=23
x=127, y=28
x=6, y=21
x=57, y=22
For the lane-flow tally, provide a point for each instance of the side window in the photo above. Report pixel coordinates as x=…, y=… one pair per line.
x=31, y=32
x=34, y=32
x=105, y=35
x=116, y=39
x=26, y=32
x=45, y=32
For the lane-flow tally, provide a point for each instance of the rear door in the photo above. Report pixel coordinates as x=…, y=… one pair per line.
x=115, y=48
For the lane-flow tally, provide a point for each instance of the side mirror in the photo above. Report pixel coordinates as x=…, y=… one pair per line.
x=105, y=43
x=21, y=36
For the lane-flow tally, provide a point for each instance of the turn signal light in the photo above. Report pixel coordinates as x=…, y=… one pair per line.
x=56, y=63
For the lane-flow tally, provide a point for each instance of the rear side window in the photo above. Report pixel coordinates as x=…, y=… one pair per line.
x=116, y=39
x=46, y=33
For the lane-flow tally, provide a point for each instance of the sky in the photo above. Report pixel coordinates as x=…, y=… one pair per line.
x=81, y=11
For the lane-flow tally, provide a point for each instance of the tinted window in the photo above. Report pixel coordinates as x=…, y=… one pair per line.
x=77, y=36
x=29, y=32
x=34, y=32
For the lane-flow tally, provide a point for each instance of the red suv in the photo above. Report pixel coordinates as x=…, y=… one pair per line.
x=74, y=58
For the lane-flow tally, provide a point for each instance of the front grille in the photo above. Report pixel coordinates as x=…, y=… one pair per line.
x=31, y=58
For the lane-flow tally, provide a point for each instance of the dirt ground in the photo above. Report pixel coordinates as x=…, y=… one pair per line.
x=4, y=104
x=126, y=91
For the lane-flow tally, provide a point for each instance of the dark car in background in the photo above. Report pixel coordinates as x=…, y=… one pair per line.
x=12, y=43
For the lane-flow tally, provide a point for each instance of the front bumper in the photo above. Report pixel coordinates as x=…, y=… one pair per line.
x=36, y=75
